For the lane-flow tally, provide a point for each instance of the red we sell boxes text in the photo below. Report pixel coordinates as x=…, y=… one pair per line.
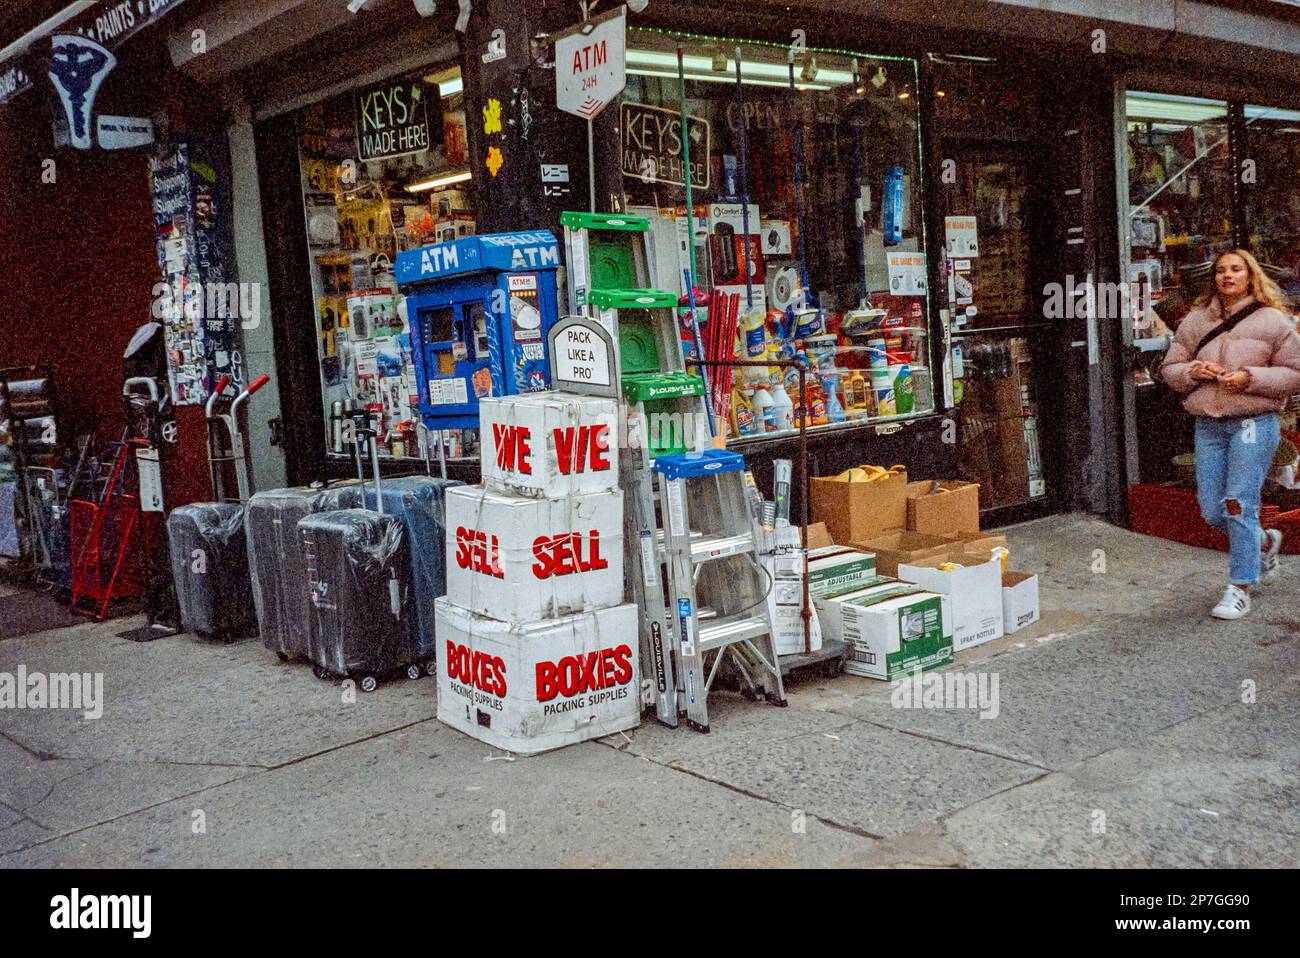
x=549, y=445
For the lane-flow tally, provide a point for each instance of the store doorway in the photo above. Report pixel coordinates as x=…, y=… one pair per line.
x=994, y=220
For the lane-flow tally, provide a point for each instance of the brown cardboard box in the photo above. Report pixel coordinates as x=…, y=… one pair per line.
x=903, y=546
x=818, y=536
x=1001, y=396
x=1010, y=463
x=974, y=542
x=856, y=511
x=952, y=509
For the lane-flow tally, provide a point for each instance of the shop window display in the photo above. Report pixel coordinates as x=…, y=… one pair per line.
x=384, y=169
x=1272, y=200
x=808, y=234
x=1180, y=204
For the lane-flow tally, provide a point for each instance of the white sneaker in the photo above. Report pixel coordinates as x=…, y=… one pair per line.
x=1234, y=604
x=1268, y=557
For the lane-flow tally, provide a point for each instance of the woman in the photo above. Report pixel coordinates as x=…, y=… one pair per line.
x=1237, y=357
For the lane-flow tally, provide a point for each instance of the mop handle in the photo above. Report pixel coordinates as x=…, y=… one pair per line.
x=699, y=350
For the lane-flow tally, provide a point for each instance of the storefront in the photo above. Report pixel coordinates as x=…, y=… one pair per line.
x=1203, y=175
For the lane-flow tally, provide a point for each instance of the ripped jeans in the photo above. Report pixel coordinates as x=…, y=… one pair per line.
x=1233, y=457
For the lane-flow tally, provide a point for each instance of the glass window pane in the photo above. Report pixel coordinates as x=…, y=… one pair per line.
x=826, y=178
x=1272, y=200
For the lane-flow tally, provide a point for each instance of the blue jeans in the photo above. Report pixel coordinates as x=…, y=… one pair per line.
x=1233, y=457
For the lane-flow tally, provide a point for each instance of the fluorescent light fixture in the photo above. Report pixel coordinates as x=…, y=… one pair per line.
x=1160, y=106
x=698, y=68
x=49, y=26
x=433, y=184
x=1271, y=113
x=724, y=78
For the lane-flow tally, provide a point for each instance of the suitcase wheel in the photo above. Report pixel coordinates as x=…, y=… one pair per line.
x=431, y=669
x=413, y=671
x=369, y=683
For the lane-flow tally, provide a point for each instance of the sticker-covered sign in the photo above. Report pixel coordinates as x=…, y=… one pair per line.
x=590, y=65
x=906, y=273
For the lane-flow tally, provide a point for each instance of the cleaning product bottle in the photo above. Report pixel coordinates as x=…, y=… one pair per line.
x=742, y=412
x=834, y=411
x=764, y=419
x=782, y=409
x=815, y=403
x=855, y=390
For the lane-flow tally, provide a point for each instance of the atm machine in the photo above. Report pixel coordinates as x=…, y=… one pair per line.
x=479, y=309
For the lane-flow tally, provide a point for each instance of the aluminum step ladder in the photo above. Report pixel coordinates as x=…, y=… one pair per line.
x=666, y=416
x=717, y=581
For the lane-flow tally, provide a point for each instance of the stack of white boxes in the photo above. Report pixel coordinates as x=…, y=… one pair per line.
x=536, y=648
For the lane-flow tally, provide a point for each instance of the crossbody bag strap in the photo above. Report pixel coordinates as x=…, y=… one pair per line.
x=1225, y=327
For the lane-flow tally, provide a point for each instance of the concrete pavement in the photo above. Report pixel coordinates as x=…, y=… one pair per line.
x=1132, y=730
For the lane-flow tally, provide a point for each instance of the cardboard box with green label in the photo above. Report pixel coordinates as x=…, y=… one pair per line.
x=892, y=628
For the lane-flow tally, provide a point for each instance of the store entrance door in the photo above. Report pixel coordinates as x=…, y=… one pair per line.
x=994, y=220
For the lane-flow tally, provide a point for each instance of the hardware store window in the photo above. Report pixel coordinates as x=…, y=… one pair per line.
x=384, y=169
x=1272, y=207
x=1180, y=201
x=829, y=176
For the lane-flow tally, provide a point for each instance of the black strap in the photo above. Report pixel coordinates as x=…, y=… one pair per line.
x=1225, y=327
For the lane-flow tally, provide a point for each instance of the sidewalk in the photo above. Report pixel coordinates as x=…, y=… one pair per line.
x=1122, y=739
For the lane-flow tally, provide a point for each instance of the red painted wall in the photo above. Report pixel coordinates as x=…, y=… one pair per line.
x=77, y=270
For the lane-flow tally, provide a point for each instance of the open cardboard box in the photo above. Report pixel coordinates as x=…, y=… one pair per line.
x=903, y=546
x=948, y=507
x=857, y=511
x=1019, y=600
x=975, y=590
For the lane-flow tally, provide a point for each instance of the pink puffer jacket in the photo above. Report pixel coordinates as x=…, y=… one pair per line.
x=1265, y=343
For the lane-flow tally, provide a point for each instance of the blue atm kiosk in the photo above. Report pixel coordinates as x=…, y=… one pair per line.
x=479, y=310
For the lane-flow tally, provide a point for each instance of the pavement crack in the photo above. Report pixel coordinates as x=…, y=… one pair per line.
x=943, y=741
x=341, y=745
x=830, y=823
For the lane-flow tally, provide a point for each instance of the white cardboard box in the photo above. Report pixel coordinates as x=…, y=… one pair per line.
x=520, y=560
x=891, y=628
x=840, y=572
x=531, y=687
x=785, y=603
x=1019, y=600
x=975, y=591
x=549, y=444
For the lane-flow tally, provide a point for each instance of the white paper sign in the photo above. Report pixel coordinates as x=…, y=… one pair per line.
x=906, y=273
x=123, y=132
x=590, y=67
x=151, y=496
x=961, y=236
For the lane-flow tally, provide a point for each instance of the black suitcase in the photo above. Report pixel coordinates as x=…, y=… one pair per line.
x=362, y=619
x=210, y=568
x=420, y=502
x=276, y=569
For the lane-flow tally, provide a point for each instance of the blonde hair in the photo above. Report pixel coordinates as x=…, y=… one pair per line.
x=1262, y=289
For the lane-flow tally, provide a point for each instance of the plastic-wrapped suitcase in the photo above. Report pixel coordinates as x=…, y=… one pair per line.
x=210, y=568
x=362, y=611
x=276, y=567
x=209, y=556
x=419, y=501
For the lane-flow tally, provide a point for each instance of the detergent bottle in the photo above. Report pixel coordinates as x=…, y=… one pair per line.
x=782, y=409
x=764, y=417
x=742, y=412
